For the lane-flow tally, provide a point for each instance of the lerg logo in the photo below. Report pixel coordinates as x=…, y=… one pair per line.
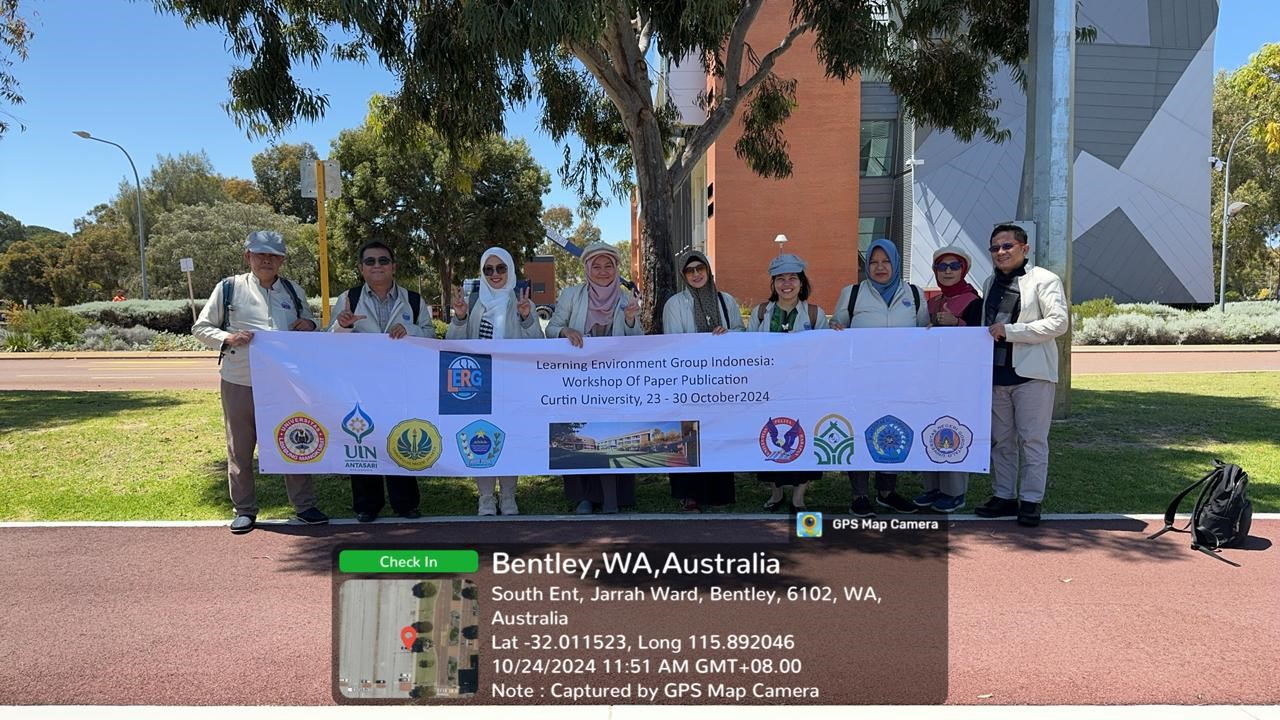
x=466, y=384
x=782, y=440
x=301, y=439
x=889, y=440
x=833, y=440
x=358, y=425
x=480, y=444
x=947, y=440
x=809, y=525
x=414, y=444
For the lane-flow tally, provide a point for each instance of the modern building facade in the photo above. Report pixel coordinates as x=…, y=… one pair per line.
x=1143, y=114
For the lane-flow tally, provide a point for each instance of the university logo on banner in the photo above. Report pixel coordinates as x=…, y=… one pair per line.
x=359, y=456
x=782, y=440
x=301, y=439
x=414, y=444
x=466, y=384
x=833, y=440
x=480, y=444
x=889, y=440
x=947, y=440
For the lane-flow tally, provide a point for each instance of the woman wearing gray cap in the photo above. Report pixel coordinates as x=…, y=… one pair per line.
x=701, y=308
x=787, y=311
x=600, y=307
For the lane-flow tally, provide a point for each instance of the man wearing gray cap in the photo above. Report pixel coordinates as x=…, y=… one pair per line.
x=240, y=306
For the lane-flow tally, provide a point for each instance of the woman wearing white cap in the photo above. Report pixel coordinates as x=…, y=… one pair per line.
x=701, y=308
x=498, y=311
x=600, y=307
x=787, y=311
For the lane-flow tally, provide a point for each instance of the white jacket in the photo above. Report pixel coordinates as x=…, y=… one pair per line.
x=571, y=311
x=871, y=311
x=1042, y=317
x=677, y=314
x=756, y=323
x=469, y=328
x=401, y=312
x=253, y=308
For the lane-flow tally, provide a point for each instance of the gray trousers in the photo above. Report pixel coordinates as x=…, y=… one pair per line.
x=242, y=437
x=950, y=483
x=1020, y=419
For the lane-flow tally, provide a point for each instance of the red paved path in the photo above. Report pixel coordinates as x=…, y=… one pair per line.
x=1079, y=612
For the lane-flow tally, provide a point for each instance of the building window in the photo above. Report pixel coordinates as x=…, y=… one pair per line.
x=877, y=148
x=870, y=230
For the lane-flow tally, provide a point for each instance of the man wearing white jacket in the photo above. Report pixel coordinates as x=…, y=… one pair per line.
x=1025, y=310
x=384, y=308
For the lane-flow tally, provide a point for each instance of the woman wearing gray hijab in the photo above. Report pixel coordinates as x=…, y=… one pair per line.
x=701, y=308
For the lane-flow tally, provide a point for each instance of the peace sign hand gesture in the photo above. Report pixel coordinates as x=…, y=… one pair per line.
x=523, y=305
x=459, y=305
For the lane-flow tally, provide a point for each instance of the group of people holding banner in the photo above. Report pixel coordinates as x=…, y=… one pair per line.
x=1023, y=307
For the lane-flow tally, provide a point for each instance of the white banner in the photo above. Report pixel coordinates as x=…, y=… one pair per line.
x=883, y=399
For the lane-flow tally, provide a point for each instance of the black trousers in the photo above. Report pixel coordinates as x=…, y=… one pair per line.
x=367, y=497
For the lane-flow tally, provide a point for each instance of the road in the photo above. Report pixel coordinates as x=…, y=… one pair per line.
x=119, y=372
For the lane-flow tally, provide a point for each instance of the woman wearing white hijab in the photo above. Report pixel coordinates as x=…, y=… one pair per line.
x=497, y=311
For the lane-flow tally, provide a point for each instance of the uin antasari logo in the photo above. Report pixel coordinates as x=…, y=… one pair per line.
x=301, y=439
x=947, y=440
x=414, y=444
x=889, y=440
x=833, y=440
x=466, y=386
x=782, y=440
x=480, y=444
x=359, y=456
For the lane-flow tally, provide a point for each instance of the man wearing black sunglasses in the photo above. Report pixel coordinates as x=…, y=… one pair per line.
x=1025, y=310
x=382, y=306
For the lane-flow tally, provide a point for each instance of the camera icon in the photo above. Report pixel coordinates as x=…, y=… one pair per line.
x=809, y=525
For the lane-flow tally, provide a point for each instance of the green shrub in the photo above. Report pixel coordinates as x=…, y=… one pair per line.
x=168, y=342
x=45, y=326
x=441, y=327
x=1098, y=307
x=160, y=315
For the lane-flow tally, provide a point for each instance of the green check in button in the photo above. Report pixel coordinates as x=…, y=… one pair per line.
x=408, y=561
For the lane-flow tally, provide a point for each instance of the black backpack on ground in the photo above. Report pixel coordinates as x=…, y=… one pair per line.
x=1222, y=513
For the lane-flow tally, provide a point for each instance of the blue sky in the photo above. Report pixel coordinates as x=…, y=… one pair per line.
x=149, y=83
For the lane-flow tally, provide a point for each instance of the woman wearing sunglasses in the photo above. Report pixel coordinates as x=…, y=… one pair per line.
x=600, y=307
x=496, y=311
x=882, y=300
x=701, y=308
x=958, y=306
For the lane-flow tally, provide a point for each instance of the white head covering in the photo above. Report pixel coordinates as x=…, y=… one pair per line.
x=495, y=301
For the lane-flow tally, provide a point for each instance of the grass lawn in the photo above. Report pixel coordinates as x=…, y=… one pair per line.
x=1131, y=443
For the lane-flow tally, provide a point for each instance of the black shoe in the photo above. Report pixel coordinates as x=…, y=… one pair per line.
x=896, y=502
x=312, y=516
x=996, y=507
x=861, y=507
x=365, y=517
x=413, y=514
x=243, y=524
x=775, y=505
x=1028, y=513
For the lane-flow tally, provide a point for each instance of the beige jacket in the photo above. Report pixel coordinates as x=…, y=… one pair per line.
x=1042, y=317
x=254, y=308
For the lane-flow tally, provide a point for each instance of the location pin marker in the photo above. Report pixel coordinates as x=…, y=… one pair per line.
x=407, y=636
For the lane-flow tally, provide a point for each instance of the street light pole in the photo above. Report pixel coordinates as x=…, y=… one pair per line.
x=1226, y=216
x=142, y=242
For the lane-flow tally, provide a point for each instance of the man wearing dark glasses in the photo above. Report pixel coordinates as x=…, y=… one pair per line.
x=382, y=306
x=1025, y=310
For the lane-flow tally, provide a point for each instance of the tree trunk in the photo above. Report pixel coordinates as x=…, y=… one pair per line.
x=657, y=281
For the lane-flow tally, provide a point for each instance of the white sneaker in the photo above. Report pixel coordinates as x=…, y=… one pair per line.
x=509, y=507
x=488, y=505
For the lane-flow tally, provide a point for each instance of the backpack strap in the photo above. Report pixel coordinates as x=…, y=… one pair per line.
x=853, y=300
x=724, y=308
x=353, y=298
x=228, y=290
x=813, y=316
x=415, y=304
x=293, y=294
x=760, y=311
x=1172, y=510
x=915, y=293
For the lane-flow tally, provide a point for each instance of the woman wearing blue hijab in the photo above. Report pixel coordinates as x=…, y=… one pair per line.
x=884, y=300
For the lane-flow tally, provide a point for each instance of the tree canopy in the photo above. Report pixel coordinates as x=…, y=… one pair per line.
x=278, y=170
x=588, y=63
x=1251, y=92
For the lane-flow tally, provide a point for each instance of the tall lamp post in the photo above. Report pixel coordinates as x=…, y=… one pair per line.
x=142, y=242
x=1228, y=210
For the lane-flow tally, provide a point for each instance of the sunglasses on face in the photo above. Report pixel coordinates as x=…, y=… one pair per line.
x=695, y=269
x=1002, y=246
x=500, y=269
x=380, y=260
x=953, y=265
